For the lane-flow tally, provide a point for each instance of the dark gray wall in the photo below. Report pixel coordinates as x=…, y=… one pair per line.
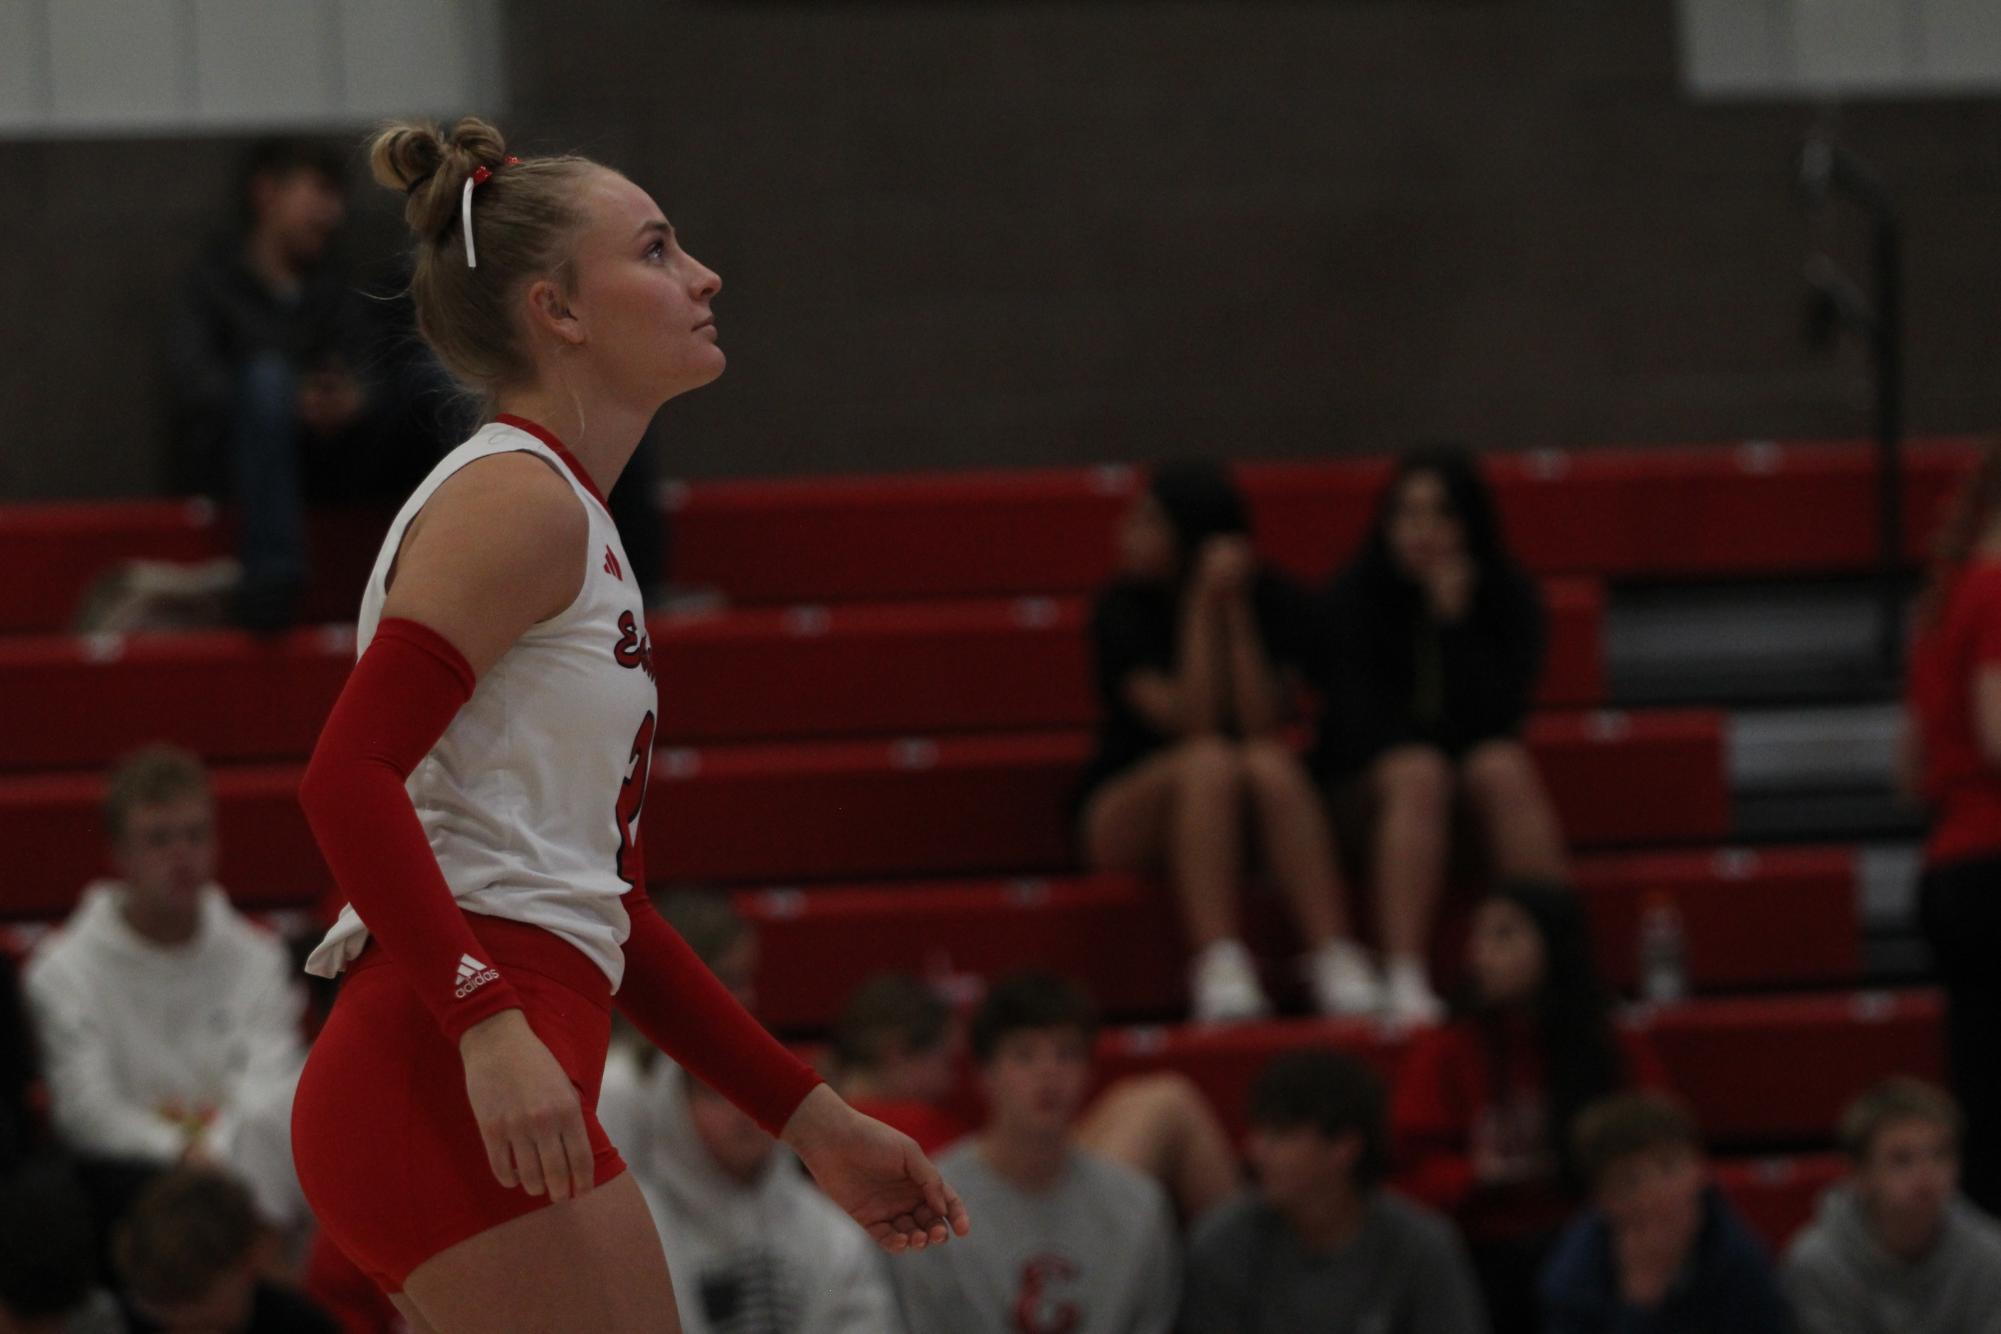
x=999, y=234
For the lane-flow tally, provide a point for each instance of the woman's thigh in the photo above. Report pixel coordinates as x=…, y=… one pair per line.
x=593, y=1263
x=1128, y=820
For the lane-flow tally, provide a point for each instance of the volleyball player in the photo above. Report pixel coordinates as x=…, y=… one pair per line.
x=478, y=787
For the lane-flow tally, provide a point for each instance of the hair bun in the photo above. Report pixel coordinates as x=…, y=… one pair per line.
x=430, y=168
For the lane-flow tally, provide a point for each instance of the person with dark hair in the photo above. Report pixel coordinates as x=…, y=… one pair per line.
x=1069, y=1242
x=190, y=1257
x=161, y=1011
x=1896, y=1249
x=1483, y=1104
x=478, y=793
x=1661, y=1249
x=896, y=1057
x=1320, y=1244
x=1437, y=641
x=1199, y=653
x=897, y=1050
x=1952, y=761
x=288, y=385
x=48, y=1256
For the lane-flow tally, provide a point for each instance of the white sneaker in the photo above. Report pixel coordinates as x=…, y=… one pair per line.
x=1408, y=1000
x=1344, y=980
x=1225, y=986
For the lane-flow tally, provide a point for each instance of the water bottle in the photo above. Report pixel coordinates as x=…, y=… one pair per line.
x=1663, y=951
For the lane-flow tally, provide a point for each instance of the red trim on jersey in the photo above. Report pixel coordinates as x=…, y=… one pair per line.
x=548, y=438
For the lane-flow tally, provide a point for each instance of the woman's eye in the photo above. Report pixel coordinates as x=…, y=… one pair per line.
x=657, y=250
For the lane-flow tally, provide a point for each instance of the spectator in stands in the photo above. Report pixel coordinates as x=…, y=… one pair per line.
x=1199, y=652
x=159, y=1008
x=1437, y=647
x=1482, y=1104
x=48, y=1257
x=753, y=1247
x=191, y=1257
x=1319, y=1244
x=287, y=384
x=1067, y=1241
x=1953, y=760
x=635, y=1071
x=897, y=1054
x=1661, y=1249
x=1895, y=1249
x=17, y=1069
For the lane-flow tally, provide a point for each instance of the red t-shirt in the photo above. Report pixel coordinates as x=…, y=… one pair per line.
x=1963, y=787
x=1446, y=1105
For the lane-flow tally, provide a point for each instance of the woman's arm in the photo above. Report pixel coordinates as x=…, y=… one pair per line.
x=1202, y=670
x=1987, y=712
x=500, y=547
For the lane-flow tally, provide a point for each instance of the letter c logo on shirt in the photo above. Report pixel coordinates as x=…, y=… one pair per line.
x=1035, y=1312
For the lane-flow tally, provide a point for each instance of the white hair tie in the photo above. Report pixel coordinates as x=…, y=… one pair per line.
x=480, y=176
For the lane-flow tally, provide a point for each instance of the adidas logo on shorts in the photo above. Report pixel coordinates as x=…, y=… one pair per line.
x=473, y=975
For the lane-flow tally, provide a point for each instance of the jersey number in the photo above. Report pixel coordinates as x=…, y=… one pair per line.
x=631, y=801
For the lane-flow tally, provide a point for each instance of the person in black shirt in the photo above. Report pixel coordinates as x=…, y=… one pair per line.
x=1198, y=652
x=1435, y=646
x=286, y=383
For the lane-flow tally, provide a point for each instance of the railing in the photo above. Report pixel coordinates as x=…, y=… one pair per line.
x=1829, y=173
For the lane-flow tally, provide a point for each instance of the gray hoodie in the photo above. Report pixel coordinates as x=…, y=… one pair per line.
x=1842, y=1281
x=773, y=1257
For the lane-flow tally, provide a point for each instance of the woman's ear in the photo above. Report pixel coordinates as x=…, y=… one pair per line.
x=549, y=310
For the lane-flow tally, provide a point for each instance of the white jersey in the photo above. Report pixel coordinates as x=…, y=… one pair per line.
x=532, y=797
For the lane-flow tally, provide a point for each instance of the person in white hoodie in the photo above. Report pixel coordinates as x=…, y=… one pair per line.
x=1896, y=1249
x=160, y=1011
x=752, y=1244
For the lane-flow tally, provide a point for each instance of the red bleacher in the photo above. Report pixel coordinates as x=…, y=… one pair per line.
x=817, y=945
x=1723, y=1056
x=1755, y=509
x=898, y=696
x=813, y=671
x=961, y=805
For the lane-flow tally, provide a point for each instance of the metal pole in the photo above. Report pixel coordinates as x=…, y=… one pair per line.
x=1889, y=357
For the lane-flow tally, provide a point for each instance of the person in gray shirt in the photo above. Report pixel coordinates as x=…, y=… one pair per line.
x=1067, y=1242
x=1896, y=1249
x=1319, y=1244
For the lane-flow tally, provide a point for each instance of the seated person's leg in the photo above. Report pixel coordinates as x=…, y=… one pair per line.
x=1413, y=838
x=264, y=475
x=1521, y=821
x=1298, y=846
x=1161, y=1125
x=1183, y=809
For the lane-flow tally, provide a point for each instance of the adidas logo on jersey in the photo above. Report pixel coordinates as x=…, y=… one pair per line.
x=473, y=975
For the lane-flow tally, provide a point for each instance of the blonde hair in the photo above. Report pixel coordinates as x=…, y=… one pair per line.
x=526, y=219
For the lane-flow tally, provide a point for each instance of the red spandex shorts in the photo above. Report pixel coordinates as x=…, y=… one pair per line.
x=387, y=1149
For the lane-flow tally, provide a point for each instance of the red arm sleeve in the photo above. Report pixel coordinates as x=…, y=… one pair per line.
x=671, y=996
x=1429, y=1133
x=397, y=703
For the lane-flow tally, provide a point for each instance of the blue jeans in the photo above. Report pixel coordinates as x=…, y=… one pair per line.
x=263, y=453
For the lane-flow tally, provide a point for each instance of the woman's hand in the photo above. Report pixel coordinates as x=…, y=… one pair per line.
x=527, y=1110
x=1449, y=588
x=878, y=1175
x=1225, y=567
